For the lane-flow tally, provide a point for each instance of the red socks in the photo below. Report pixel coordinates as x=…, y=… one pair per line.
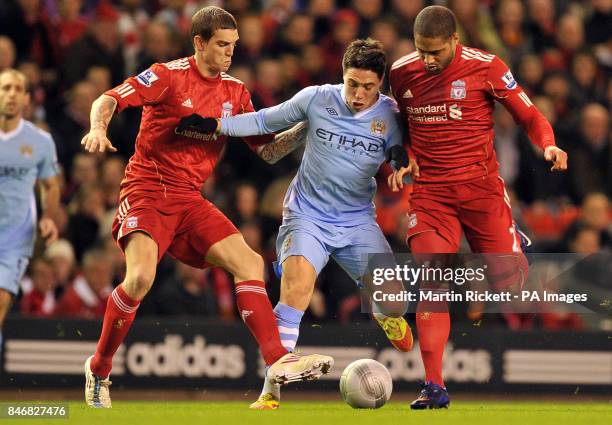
x=118, y=318
x=433, y=327
x=256, y=312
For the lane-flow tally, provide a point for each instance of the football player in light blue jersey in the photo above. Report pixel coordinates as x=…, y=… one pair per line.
x=27, y=155
x=328, y=208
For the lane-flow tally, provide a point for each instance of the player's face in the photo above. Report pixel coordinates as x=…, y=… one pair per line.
x=361, y=87
x=436, y=53
x=217, y=52
x=13, y=95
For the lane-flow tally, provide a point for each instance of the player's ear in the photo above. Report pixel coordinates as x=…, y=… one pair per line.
x=198, y=43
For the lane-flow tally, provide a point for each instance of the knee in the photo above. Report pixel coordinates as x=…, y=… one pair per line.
x=509, y=276
x=138, y=282
x=250, y=266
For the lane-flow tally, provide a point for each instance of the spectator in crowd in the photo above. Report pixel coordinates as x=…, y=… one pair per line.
x=530, y=73
x=509, y=19
x=69, y=26
x=368, y=11
x=69, y=127
x=586, y=83
x=85, y=221
x=86, y=297
x=569, y=39
x=159, y=46
x=198, y=292
x=100, y=77
x=298, y=33
x=406, y=12
x=252, y=39
x=133, y=21
x=541, y=24
x=60, y=256
x=476, y=27
x=100, y=46
x=345, y=29
x=594, y=215
x=27, y=24
x=7, y=53
x=39, y=298
x=84, y=172
x=591, y=169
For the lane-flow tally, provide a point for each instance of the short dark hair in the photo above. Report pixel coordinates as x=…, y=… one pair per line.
x=210, y=19
x=434, y=22
x=365, y=54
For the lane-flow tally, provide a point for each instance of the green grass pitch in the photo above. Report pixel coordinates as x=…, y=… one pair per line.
x=321, y=413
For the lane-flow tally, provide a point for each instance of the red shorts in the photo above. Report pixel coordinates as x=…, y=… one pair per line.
x=481, y=208
x=184, y=225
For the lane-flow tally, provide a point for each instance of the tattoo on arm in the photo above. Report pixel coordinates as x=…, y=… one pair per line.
x=102, y=111
x=284, y=143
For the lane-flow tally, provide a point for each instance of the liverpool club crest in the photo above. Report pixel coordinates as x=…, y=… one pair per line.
x=458, y=90
x=227, y=109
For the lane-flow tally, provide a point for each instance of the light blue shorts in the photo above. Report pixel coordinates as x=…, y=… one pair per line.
x=12, y=268
x=349, y=246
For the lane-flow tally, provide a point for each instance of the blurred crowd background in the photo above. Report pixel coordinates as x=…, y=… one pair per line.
x=74, y=50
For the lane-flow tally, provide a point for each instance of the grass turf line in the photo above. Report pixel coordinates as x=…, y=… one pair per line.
x=318, y=413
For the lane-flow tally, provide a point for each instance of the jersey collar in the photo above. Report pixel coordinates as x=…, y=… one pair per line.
x=8, y=135
x=458, y=51
x=206, y=80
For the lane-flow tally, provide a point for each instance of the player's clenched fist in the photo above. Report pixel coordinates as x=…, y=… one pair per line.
x=96, y=141
x=558, y=158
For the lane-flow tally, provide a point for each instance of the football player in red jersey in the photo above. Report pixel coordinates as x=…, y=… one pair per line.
x=161, y=208
x=446, y=93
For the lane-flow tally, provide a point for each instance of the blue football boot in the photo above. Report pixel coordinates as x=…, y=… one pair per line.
x=432, y=396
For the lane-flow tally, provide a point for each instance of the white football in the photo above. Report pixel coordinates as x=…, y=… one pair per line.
x=366, y=384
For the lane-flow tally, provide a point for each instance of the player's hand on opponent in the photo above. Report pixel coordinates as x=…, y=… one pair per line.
x=396, y=180
x=48, y=230
x=96, y=141
x=195, y=122
x=557, y=156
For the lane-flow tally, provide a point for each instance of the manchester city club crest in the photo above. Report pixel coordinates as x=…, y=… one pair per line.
x=458, y=90
x=26, y=151
x=378, y=128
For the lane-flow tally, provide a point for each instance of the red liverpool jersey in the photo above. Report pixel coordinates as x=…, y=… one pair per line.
x=450, y=115
x=164, y=159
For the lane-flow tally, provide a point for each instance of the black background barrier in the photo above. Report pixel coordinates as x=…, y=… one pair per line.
x=204, y=354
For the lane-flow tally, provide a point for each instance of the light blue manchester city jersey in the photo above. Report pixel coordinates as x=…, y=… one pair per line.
x=335, y=182
x=26, y=154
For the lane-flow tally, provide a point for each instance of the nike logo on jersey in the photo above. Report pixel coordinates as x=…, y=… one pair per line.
x=187, y=104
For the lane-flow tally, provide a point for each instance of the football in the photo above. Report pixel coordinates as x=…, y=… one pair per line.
x=366, y=384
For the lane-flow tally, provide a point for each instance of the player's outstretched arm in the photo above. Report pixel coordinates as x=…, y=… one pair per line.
x=273, y=119
x=284, y=143
x=101, y=113
x=504, y=88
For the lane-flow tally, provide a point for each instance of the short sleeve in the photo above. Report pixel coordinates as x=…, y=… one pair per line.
x=147, y=88
x=48, y=166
